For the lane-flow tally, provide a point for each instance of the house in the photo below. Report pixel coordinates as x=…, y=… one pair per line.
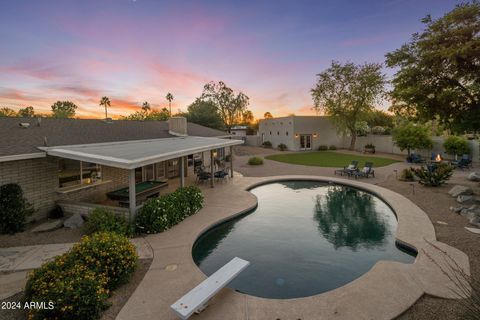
x=299, y=132
x=239, y=131
x=75, y=162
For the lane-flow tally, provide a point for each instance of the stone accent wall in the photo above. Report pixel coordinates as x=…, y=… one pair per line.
x=84, y=209
x=39, y=181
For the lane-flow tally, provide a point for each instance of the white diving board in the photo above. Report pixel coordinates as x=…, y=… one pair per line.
x=198, y=297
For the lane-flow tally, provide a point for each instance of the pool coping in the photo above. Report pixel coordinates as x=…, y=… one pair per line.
x=388, y=289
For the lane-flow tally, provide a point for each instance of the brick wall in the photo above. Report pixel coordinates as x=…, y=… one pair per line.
x=39, y=181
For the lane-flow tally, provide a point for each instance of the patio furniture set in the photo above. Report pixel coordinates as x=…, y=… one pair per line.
x=465, y=162
x=352, y=170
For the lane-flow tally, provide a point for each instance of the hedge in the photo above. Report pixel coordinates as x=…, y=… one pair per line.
x=162, y=213
x=14, y=208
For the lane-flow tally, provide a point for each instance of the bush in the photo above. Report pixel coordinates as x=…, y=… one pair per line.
x=456, y=145
x=282, y=147
x=255, y=161
x=332, y=147
x=108, y=254
x=162, y=213
x=322, y=147
x=433, y=175
x=14, y=208
x=103, y=220
x=407, y=175
x=378, y=130
x=369, y=146
x=78, y=282
x=267, y=144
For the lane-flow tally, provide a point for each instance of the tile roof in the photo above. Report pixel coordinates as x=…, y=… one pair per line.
x=17, y=140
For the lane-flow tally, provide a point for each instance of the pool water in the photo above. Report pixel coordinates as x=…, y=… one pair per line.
x=304, y=238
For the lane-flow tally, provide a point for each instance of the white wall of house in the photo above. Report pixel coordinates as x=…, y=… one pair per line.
x=288, y=130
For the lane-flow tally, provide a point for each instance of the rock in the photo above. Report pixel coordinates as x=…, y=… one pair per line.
x=474, y=230
x=465, y=199
x=459, y=190
x=74, y=222
x=442, y=222
x=475, y=221
x=456, y=209
x=48, y=226
x=474, y=176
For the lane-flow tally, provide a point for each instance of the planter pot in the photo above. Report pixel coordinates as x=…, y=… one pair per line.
x=369, y=150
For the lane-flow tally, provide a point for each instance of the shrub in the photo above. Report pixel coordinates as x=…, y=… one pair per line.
x=78, y=282
x=14, y=208
x=282, y=147
x=456, y=145
x=255, y=161
x=332, y=147
x=160, y=214
x=267, y=144
x=433, y=175
x=322, y=147
x=103, y=220
x=369, y=146
x=108, y=254
x=407, y=175
x=378, y=130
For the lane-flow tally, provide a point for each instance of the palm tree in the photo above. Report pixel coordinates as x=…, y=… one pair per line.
x=169, y=98
x=146, y=106
x=106, y=103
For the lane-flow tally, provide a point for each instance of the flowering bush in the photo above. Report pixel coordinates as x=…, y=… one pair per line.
x=103, y=220
x=160, y=214
x=107, y=254
x=76, y=285
x=255, y=161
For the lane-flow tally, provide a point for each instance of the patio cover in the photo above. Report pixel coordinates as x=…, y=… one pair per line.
x=138, y=153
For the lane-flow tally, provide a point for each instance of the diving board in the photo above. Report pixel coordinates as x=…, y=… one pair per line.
x=198, y=297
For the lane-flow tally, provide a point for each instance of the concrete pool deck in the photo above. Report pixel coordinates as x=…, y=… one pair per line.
x=384, y=292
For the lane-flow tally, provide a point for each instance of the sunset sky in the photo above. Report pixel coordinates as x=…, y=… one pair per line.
x=135, y=51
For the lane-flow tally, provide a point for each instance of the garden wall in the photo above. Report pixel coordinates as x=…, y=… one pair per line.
x=384, y=143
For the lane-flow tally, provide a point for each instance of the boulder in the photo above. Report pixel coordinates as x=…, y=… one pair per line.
x=74, y=222
x=475, y=221
x=474, y=176
x=457, y=209
x=48, y=226
x=459, y=190
x=465, y=199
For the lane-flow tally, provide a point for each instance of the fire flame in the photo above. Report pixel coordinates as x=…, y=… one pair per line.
x=438, y=158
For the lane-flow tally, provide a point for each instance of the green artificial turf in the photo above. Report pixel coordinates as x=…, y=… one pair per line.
x=329, y=159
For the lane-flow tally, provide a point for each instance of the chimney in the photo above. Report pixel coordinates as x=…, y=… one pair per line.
x=177, y=126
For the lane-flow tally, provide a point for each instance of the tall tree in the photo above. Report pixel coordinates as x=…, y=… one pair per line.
x=204, y=113
x=409, y=136
x=105, y=101
x=7, y=112
x=247, y=117
x=439, y=70
x=347, y=92
x=267, y=115
x=229, y=105
x=63, y=109
x=27, y=112
x=146, y=106
x=169, y=97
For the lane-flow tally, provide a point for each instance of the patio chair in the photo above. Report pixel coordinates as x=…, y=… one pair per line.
x=464, y=163
x=415, y=158
x=221, y=174
x=351, y=168
x=366, y=171
x=203, y=176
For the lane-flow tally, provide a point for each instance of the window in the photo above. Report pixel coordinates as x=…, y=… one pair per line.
x=286, y=133
x=73, y=172
x=270, y=132
x=278, y=133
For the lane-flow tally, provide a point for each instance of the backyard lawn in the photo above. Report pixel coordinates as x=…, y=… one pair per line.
x=328, y=159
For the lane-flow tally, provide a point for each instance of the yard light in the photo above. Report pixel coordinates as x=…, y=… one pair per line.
x=296, y=135
x=315, y=135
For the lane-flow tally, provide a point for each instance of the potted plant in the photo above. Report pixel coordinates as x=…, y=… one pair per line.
x=369, y=148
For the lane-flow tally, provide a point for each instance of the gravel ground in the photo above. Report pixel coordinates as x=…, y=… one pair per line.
x=434, y=201
x=118, y=299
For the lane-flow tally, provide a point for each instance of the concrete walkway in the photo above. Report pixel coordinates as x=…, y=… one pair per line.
x=16, y=261
x=384, y=292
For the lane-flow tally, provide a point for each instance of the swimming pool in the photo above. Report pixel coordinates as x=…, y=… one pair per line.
x=304, y=238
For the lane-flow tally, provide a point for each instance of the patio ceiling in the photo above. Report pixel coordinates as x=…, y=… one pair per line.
x=138, y=153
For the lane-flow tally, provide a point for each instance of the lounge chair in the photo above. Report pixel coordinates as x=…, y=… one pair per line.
x=464, y=163
x=221, y=174
x=415, y=158
x=351, y=168
x=366, y=172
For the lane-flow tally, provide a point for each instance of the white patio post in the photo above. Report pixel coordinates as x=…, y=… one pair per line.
x=231, y=161
x=211, y=168
x=132, y=195
x=182, y=172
